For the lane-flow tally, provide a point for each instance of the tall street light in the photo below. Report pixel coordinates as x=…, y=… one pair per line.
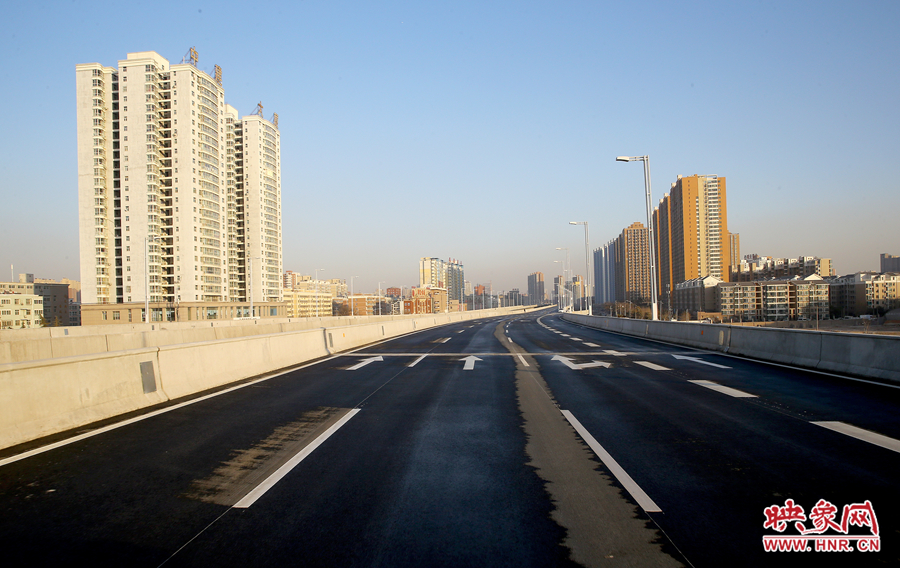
x=587, y=267
x=351, y=294
x=378, y=298
x=646, y=160
x=567, y=269
x=250, y=260
x=317, y=288
x=147, y=241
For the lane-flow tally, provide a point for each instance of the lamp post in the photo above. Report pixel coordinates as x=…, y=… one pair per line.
x=351, y=294
x=316, y=270
x=566, y=274
x=646, y=160
x=250, y=260
x=587, y=267
x=559, y=299
x=378, y=298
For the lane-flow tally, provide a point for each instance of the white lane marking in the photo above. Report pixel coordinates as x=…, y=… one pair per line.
x=444, y=340
x=575, y=339
x=414, y=363
x=653, y=366
x=723, y=389
x=461, y=331
x=510, y=339
x=865, y=435
x=701, y=361
x=470, y=362
x=365, y=362
x=568, y=363
x=258, y=491
x=524, y=362
x=592, y=345
x=616, y=353
x=622, y=476
x=565, y=334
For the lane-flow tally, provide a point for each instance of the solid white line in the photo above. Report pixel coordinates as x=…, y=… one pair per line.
x=723, y=389
x=413, y=364
x=524, y=362
x=860, y=434
x=621, y=475
x=270, y=481
x=653, y=366
x=105, y=429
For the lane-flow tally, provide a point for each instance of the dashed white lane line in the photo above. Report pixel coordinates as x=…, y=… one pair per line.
x=414, y=363
x=860, y=434
x=270, y=481
x=575, y=339
x=445, y=340
x=565, y=335
x=622, y=476
x=591, y=345
x=723, y=389
x=653, y=366
x=524, y=362
x=461, y=331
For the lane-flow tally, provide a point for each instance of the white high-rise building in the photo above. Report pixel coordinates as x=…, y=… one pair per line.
x=175, y=191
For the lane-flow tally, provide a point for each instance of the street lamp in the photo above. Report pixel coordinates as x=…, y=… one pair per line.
x=250, y=260
x=351, y=294
x=567, y=269
x=378, y=298
x=646, y=160
x=559, y=287
x=587, y=267
x=316, y=270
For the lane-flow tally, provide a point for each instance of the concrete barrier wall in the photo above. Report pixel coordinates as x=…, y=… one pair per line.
x=143, y=367
x=856, y=354
x=42, y=398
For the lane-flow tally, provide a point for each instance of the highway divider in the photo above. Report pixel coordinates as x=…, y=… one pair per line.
x=69, y=381
x=855, y=354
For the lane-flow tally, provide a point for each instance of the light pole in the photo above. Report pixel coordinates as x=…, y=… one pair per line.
x=646, y=160
x=316, y=270
x=566, y=274
x=250, y=260
x=559, y=299
x=351, y=295
x=587, y=267
x=378, y=298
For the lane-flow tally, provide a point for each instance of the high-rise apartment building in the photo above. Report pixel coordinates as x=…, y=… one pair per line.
x=179, y=198
x=536, y=288
x=890, y=263
x=632, y=270
x=437, y=273
x=692, y=231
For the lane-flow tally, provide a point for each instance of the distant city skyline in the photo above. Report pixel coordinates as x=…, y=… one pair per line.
x=505, y=119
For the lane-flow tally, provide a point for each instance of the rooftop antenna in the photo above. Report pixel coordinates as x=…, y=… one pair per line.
x=259, y=109
x=191, y=57
x=275, y=119
x=217, y=73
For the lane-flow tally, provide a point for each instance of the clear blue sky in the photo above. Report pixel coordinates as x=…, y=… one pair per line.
x=478, y=130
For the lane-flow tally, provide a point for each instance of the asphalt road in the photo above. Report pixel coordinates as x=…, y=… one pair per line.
x=520, y=441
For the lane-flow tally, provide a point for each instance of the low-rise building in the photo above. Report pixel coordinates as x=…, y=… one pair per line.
x=55, y=297
x=304, y=303
x=133, y=312
x=20, y=311
x=865, y=293
x=696, y=295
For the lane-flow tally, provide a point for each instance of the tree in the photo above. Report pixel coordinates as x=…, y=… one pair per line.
x=342, y=310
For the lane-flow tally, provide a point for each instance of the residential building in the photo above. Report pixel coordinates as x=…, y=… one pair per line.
x=692, y=225
x=605, y=273
x=696, y=295
x=890, y=263
x=864, y=293
x=632, y=270
x=535, y=289
x=54, y=298
x=437, y=273
x=393, y=292
x=205, y=185
x=754, y=267
x=774, y=300
x=307, y=302
x=20, y=310
x=426, y=300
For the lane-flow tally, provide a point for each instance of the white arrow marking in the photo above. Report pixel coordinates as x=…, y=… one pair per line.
x=568, y=363
x=470, y=362
x=653, y=366
x=701, y=361
x=616, y=353
x=365, y=362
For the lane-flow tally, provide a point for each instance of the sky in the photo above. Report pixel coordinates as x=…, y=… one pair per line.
x=478, y=130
